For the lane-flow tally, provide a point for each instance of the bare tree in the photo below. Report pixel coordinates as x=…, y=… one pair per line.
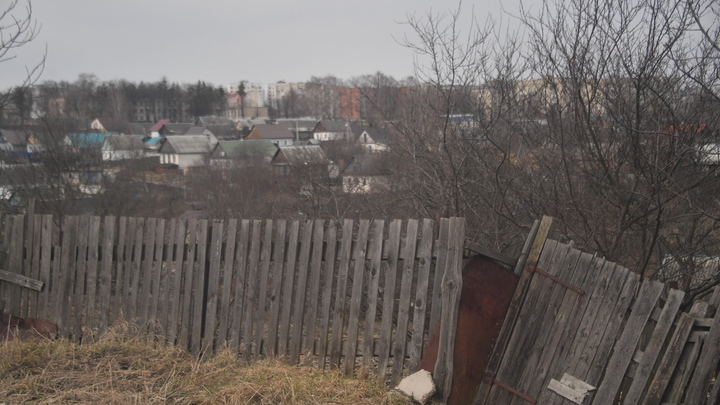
x=17, y=29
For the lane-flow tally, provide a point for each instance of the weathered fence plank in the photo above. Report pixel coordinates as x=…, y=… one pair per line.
x=45, y=266
x=155, y=319
x=92, y=275
x=15, y=265
x=145, y=276
x=327, y=293
x=707, y=364
x=314, y=287
x=288, y=288
x=213, y=286
x=356, y=297
x=403, y=317
x=625, y=346
x=241, y=255
x=34, y=255
x=375, y=252
x=105, y=277
x=420, y=303
x=260, y=313
x=227, y=275
x=388, y=303
x=251, y=294
x=300, y=294
x=338, y=323
x=277, y=284
x=188, y=274
x=199, y=289
x=175, y=282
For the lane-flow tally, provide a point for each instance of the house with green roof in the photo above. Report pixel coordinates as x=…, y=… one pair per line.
x=236, y=153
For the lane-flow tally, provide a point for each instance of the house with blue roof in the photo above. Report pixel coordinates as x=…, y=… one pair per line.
x=86, y=140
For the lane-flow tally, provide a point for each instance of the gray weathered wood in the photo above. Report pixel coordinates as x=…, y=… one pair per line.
x=403, y=316
x=314, y=287
x=213, y=286
x=175, y=280
x=145, y=276
x=15, y=265
x=26, y=269
x=188, y=274
x=338, y=323
x=92, y=275
x=287, y=290
x=154, y=319
x=198, y=290
x=79, y=281
x=669, y=361
x=277, y=284
x=421, y=295
x=707, y=364
x=117, y=307
x=300, y=294
x=652, y=350
x=64, y=296
x=20, y=280
x=227, y=274
x=130, y=252
x=34, y=255
x=45, y=266
x=241, y=256
x=251, y=294
x=625, y=346
x=375, y=253
x=451, y=287
x=440, y=260
x=260, y=313
x=483, y=251
x=356, y=297
x=167, y=262
x=537, y=242
x=386, y=323
x=327, y=293
x=105, y=276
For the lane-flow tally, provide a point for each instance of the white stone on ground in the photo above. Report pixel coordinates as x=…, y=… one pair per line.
x=418, y=386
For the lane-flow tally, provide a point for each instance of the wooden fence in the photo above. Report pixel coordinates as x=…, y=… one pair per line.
x=584, y=330
x=317, y=292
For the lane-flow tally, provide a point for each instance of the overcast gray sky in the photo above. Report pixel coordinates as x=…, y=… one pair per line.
x=223, y=41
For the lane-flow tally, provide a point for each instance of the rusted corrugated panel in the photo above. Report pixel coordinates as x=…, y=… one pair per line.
x=487, y=290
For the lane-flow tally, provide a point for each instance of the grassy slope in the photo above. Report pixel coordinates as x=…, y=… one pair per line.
x=119, y=370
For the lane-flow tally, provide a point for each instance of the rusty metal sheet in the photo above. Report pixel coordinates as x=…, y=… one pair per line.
x=486, y=293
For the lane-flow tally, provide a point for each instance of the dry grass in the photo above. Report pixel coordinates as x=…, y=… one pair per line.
x=121, y=370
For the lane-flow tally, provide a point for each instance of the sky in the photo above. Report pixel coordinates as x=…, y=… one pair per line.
x=224, y=41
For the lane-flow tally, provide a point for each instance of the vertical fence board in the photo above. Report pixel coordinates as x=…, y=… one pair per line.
x=375, y=251
x=118, y=303
x=213, y=285
x=228, y=263
x=79, y=282
x=451, y=287
x=314, y=287
x=45, y=263
x=356, y=297
x=34, y=255
x=252, y=287
x=420, y=304
x=386, y=325
x=164, y=281
x=145, y=275
x=199, y=289
x=105, y=277
x=26, y=267
x=175, y=280
x=260, y=314
x=130, y=232
x=188, y=275
x=15, y=265
x=287, y=292
x=153, y=320
x=277, y=283
x=338, y=322
x=64, y=297
x=241, y=254
x=408, y=268
x=300, y=293
x=440, y=260
x=92, y=275
x=327, y=293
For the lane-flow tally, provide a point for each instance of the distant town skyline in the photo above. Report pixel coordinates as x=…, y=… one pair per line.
x=223, y=41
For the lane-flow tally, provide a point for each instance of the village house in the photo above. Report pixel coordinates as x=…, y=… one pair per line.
x=366, y=173
x=291, y=159
x=185, y=151
x=280, y=135
x=372, y=140
x=121, y=147
x=328, y=130
x=242, y=153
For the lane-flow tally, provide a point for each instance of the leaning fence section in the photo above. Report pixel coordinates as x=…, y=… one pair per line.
x=348, y=295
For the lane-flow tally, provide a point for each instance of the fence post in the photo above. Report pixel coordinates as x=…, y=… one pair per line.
x=451, y=286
